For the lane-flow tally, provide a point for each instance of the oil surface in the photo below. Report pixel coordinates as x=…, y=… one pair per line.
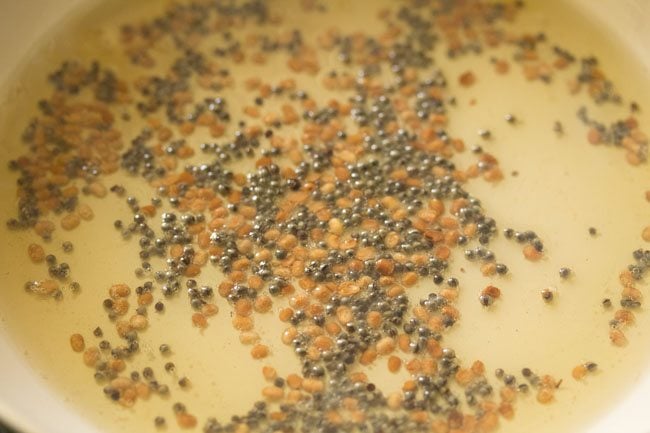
x=563, y=186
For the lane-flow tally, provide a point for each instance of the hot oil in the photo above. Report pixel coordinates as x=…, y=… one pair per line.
x=563, y=186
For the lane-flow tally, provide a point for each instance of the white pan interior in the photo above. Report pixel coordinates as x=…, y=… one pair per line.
x=27, y=403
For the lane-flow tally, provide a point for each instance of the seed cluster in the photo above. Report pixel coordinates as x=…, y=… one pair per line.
x=631, y=297
x=329, y=230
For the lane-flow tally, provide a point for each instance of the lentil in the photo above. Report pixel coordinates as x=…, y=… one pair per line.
x=70, y=221
x=385, y=346
x=531, y=253
x=91, y=356
x=248, y=337
x=273, y=393
x=77, y=342
x=467, y=78
x=186, y=420
x=394, y=364
x=645, y=234
x=199, y=320
x=545, y=395
x=259, y=351
x=36, y=253
x=617, y=337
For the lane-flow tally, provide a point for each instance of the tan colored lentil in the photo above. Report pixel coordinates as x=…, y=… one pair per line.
x=579, y=372
x=36, y=253
x=259, y=351
x=273, y=393
x=531, y=253
x=385, y=346
x=185, y=420
x=70, y=222
x=545, y=395
x=617, y=337
x=645, y=234
x=269, y=372
x=77, y=342
x=199, y=320
x=91, y=356
x=394, y=364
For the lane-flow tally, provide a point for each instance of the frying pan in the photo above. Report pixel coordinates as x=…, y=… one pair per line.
x=29, y=405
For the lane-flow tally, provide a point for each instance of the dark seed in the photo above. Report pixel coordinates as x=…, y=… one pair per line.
x=607, y=303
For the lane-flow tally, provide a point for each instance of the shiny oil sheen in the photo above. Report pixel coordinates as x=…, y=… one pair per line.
x=564, y=185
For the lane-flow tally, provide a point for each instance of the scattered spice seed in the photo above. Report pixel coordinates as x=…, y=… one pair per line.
x=579, y=371
x=259, y=351
x=394, y=364
x=248, y=338
x=362, y=212
x=385, y=346
x=617, y=337
x=486, y=300
x=269, y=373
x=502, y=66
x=624, y=316
x=67, y=247
x=385, y=267
x=547, y=295
x=185, y=420
x=645, y=234
x=545, y=395
x=77, y=342
x=159, y=421
x=199, y=320
x=273, y=393
x=531, y=253
x=36, y=253
x=90, y=356
x=491, y=291
x=565, y=273
x=484, y=133
x=467, y=79
x=607, y=303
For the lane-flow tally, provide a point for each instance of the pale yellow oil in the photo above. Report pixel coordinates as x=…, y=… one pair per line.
x=564, y=185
